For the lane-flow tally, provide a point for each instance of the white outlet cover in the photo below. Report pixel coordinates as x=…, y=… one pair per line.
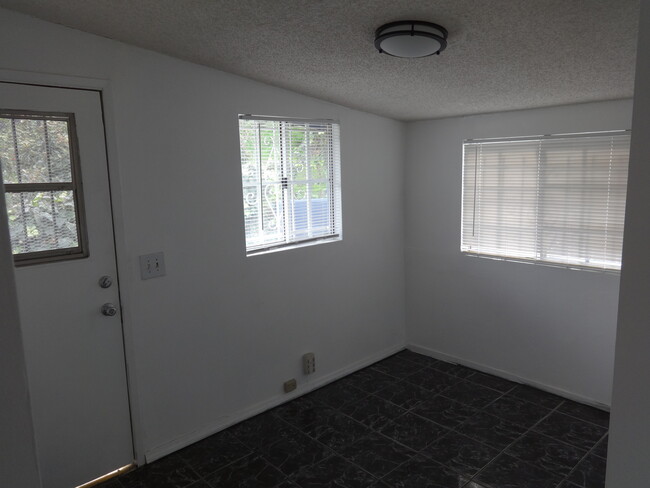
x=309, y=363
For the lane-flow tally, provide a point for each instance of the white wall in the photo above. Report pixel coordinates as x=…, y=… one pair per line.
x=18, y=463
x=629, y=444
x=216, y=337
x=549, y=326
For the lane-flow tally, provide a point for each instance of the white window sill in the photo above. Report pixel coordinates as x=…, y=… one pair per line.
x=548, y=264
x=293, y=245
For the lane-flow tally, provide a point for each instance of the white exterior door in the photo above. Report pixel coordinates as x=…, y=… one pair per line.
x=62, y=238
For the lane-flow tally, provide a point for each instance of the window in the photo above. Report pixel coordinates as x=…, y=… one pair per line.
x=290, y=180
x=40, y=171
x=550, y=199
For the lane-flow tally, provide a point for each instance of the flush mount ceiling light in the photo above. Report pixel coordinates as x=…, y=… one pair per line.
x=411, y=39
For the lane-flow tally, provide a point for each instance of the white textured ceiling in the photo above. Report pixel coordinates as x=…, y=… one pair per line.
x=502, y=54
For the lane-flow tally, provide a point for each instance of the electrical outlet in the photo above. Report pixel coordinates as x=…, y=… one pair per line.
x=290, y=385
x=308, y=363
x=152, y=265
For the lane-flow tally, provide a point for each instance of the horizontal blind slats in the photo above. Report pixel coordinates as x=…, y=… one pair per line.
x=290, y=181
x=557, y=200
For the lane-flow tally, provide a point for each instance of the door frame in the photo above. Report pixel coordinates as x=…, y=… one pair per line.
x=104, y=89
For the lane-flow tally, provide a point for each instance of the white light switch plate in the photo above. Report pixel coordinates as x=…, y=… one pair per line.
x=152, y=265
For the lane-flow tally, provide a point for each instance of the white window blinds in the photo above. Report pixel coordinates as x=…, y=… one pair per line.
x=290, y=180
x=554, y=199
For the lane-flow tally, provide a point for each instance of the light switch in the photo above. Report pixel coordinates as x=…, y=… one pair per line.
x=152, y=265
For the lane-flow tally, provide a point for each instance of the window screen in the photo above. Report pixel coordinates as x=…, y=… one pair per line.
x=290, y=181
x=553, y=199
x=40, y=171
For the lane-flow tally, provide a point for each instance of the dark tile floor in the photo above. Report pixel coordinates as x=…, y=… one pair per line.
x=409, y=421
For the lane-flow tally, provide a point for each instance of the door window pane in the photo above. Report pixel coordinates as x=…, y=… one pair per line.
x=34, y=151
x=40, y=171
x=42, y=221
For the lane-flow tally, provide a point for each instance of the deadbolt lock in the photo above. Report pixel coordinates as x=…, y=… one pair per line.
x=105, y=281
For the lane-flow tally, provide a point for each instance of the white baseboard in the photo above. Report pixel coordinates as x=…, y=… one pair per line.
x=506, y=375
x=185, y=440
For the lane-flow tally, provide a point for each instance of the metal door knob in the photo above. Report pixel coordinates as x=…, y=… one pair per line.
x=109, y=309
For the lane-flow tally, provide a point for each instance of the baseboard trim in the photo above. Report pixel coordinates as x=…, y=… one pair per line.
x=162, y=450
x=507, y=375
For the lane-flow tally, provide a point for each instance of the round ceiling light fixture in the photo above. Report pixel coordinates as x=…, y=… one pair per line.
x=411, y=39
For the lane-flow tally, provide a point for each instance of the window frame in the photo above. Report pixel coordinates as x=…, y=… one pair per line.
x=75, y=186
x=540, y=258
x=333, y=182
